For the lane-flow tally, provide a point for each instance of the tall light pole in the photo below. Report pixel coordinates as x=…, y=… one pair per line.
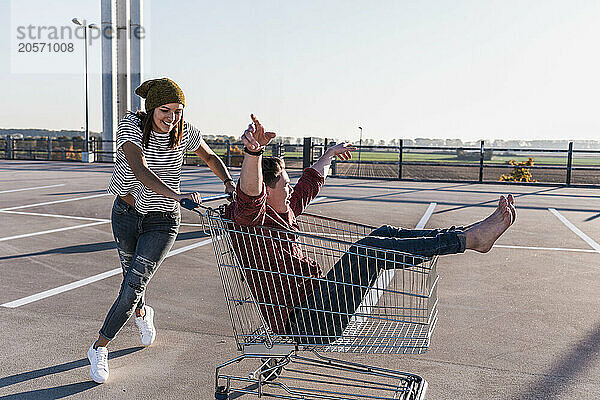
x=86, y=155
x=359, y=149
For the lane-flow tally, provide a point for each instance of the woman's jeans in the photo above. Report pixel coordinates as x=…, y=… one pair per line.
x=357, y=270
x=143, y=242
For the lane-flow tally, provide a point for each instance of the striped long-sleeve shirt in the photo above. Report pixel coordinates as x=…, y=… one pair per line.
x=164, y=162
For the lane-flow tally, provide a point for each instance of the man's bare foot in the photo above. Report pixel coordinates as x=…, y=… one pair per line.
x=482, y=236
x=512, y=209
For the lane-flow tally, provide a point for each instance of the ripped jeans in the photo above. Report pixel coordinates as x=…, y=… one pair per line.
x=143, y=242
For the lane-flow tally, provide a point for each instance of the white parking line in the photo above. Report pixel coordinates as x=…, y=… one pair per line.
x=318, y=199
x=544, y=248
x=187, y=248
x=576, y=230
x=383, y=280
x=61, y=289
x=55, y=216
x=56, y=202
x=52, y=231
x=31, y=188
x=421, y=224
x=87, y=281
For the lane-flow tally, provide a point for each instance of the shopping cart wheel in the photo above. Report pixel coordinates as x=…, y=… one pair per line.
x=269, y=374
x=221, y=393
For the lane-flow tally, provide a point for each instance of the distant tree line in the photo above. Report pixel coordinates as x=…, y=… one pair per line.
x=45, y=133
x=497, y=143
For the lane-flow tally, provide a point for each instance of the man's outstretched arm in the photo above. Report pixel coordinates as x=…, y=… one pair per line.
x=312, y=179
x=255, y=139
x=341, y=150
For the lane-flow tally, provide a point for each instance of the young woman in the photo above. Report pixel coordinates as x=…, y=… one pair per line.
x=145, y=215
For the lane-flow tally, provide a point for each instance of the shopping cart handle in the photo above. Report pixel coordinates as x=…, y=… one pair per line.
x=190, y=205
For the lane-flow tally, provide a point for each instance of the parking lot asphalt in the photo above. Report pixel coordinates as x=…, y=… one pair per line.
x=519, y=322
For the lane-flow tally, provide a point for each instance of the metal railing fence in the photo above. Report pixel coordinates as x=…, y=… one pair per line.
x=480, y=164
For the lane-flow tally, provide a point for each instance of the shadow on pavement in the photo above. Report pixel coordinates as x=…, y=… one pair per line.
x=60, y=391
x=199, y=234
x=77, y=249
x=565, y=370
x=492, y=203
x=72, y=193
x=57, y=392
x=237, y=395
x=593, y=217
x=92, y=247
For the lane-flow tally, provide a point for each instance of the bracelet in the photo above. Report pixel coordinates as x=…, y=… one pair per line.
x=254, y=153
x=226, y=181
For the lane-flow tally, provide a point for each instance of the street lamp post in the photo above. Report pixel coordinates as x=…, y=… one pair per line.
x=86, y=155
x=359, y=150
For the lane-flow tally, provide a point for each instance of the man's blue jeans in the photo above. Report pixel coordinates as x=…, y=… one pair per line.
x=143, y=241
x=326, y=313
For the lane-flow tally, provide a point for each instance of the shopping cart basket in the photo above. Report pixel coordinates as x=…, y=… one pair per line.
x=287, y=319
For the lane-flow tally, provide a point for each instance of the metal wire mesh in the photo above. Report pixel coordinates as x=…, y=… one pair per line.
x=314, y=377
x=362, y=300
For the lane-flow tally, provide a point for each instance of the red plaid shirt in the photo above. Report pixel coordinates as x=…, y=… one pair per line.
x=279, y=274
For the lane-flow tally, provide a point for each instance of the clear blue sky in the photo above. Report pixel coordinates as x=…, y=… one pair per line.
x=481, y=69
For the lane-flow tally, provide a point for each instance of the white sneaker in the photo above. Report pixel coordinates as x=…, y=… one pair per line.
x=98, y=364
x=146, y=326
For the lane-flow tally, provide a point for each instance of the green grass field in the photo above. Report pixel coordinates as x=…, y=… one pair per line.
x=451, y=158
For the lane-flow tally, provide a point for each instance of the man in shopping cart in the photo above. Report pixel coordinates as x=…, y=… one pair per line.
x=295, y=297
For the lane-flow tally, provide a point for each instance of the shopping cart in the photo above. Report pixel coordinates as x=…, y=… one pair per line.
x=285, y=320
